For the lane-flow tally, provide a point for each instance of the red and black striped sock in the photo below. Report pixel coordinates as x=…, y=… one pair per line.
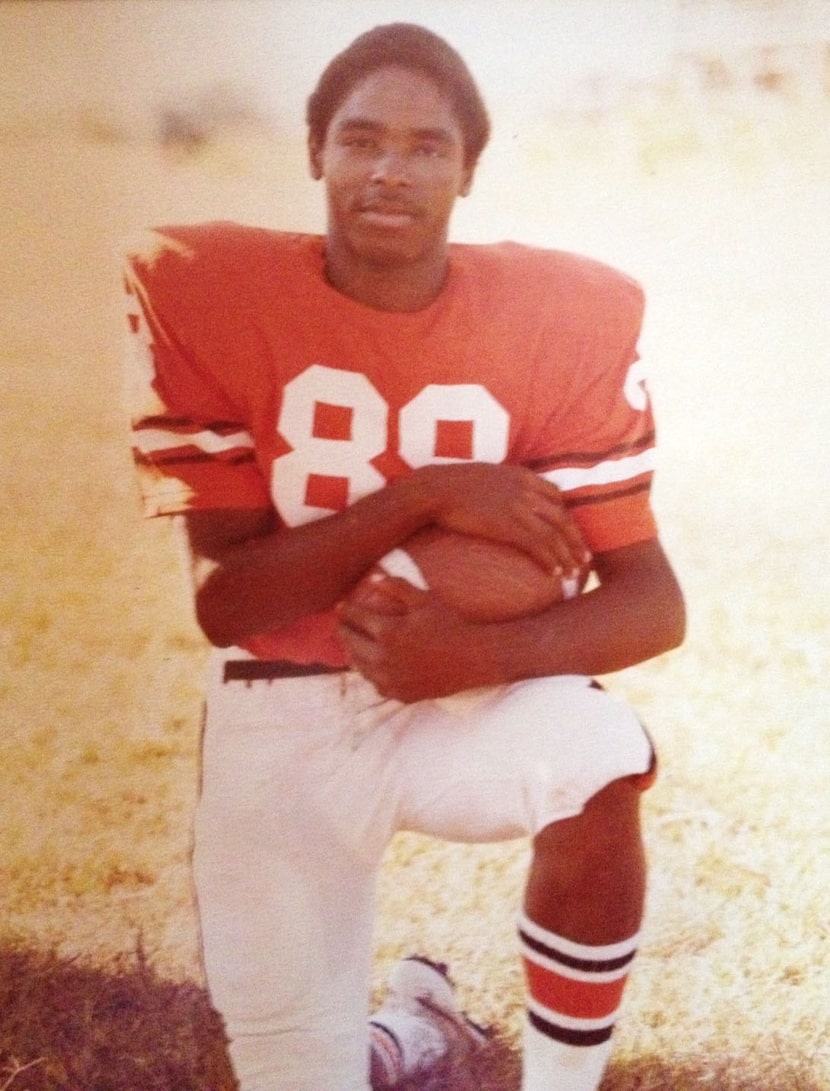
x=574, y=991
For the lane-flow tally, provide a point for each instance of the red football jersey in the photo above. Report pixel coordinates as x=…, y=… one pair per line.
x=253, y=383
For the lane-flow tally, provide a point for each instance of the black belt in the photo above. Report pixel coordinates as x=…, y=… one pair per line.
x=255, y=670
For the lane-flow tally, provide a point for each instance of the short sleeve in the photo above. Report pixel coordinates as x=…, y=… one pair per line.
x=192, y=446
x=601, y=437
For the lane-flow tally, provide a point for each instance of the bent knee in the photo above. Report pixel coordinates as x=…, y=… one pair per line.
x=609, y=821
x=624, y=793
x=597, y=854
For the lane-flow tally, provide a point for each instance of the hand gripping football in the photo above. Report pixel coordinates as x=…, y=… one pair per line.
x=481, y=579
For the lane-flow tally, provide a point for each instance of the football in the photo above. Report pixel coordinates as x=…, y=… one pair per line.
x=483, y=580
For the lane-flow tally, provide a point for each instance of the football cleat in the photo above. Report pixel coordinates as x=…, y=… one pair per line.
x=419, y=985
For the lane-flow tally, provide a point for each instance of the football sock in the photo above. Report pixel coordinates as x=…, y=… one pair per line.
x=574, y=992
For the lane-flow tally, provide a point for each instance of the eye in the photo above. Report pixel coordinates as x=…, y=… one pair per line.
x=359, y=142
x=428, y=151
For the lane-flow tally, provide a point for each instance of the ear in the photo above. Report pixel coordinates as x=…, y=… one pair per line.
x=315, y=157
x=467, y=180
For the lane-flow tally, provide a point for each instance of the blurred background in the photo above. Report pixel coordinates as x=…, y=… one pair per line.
x=120, y=61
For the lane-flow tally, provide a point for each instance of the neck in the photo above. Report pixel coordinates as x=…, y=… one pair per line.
x=386, y=286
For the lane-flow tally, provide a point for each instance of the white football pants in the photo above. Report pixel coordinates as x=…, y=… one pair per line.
x=304, y=782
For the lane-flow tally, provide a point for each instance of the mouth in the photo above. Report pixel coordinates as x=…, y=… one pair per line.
x=386, y=215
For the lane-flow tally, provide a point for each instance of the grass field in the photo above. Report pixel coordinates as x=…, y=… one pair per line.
x=102, y=662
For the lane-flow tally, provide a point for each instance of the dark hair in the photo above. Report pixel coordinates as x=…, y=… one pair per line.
x=403, y=45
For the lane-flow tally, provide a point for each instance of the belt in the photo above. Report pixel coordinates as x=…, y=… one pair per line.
x=254, y=670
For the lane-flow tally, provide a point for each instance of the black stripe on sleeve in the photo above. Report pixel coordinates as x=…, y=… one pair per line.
x=175, y=458
x=589, y=458
x=619, y=494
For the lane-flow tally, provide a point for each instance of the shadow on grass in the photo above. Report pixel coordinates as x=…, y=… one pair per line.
x=66, y=1026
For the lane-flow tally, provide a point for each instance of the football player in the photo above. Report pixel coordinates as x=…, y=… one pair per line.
x=304, y=404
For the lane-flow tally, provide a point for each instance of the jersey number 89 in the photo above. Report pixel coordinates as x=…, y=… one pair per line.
x=365, y=413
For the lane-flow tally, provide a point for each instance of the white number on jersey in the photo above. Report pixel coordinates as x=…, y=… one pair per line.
x=464, y=402
x=327, y=456
x=364, y=417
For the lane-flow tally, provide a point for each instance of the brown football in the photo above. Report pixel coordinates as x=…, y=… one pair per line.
x=481, y=579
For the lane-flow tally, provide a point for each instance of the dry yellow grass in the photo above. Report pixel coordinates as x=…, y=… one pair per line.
x=100, y=692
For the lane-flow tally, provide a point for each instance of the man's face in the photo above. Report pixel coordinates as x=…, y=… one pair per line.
x=393, y=163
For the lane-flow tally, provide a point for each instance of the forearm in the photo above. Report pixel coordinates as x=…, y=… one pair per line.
x=605, y=630
x=268, y=581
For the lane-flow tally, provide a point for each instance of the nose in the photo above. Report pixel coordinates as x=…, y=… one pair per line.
x=391, y=168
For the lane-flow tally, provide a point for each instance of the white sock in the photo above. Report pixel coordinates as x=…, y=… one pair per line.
x=403, y=1043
